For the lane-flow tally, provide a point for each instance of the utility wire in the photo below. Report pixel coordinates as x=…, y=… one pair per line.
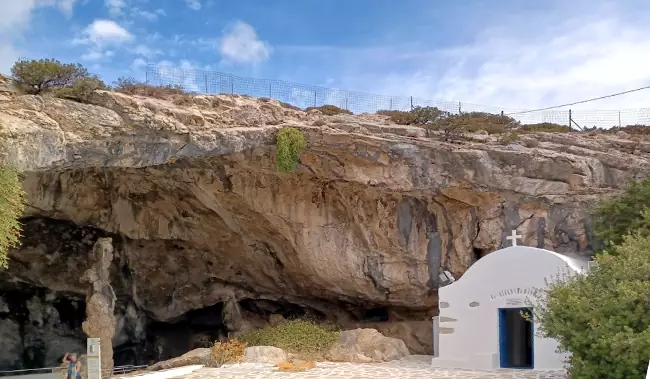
x=580, y=102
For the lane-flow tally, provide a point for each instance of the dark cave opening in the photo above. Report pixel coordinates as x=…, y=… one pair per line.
x=266, y=308
x=376, y=315
x=478, y=253
x=29, y=338
x=72, y=312
x=194, y=329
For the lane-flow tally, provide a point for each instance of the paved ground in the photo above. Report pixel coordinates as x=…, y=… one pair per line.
x=411, y=368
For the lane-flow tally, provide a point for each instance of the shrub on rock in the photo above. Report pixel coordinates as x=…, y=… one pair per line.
x=290, y=143
x=12, y=205
x=303, y=338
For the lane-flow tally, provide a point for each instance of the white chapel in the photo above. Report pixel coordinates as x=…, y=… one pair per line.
x=480, y=324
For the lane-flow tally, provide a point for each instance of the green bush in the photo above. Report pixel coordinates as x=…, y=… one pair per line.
x=329, y=110
x=602, y=318
x=290, y=143
x=616, y=217
x=38, y=76
x=80, y=91
x=12, y=205
x=305, y=338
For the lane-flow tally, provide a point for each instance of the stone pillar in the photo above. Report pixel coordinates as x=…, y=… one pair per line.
x=231, y=315
x=100, y=302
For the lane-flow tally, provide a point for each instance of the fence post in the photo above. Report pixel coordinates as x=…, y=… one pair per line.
x=411, y=102
x=570, y=120
x=502, y=119
x=346, y=104
x=206, y=84
x=459, y=108
x=390, y=107
x=232, y=85
x=146, y=76
x=619, y=119
x=314, y=98
x=270, y=96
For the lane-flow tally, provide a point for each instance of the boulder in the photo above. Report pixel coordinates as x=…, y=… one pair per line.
x=201, y=356
x=367, y=346
x=264, y=354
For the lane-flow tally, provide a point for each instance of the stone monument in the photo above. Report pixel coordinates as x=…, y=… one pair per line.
x=100, y=303
x=93, y=359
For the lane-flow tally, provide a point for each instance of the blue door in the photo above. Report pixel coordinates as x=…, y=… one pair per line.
x=515, y=338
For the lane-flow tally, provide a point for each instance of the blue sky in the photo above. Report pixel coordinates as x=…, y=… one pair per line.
x=504, y=53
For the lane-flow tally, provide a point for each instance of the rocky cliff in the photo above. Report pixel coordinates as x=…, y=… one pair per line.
x=207, y=235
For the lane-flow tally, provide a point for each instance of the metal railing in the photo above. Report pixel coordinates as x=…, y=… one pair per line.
x=48, y=371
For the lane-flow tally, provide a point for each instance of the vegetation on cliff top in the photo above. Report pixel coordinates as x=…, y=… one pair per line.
x=74, y=82
x=290, y=143
x=12, y=205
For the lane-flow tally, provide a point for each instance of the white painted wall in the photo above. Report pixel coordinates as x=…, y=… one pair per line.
x=502, y=279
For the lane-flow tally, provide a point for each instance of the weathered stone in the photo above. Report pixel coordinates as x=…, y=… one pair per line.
x=276, y=319
x=200, y=216
x=201, y=356
x=365, y=346
x=100, y=301
x=264, y=354
x=231, y=315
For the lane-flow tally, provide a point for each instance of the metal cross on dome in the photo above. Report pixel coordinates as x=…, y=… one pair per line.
x=514, y=237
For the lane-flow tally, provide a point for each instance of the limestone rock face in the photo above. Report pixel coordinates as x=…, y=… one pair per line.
x=202, y=222
x=367, y=346
x=100, y=302
x=201, y=356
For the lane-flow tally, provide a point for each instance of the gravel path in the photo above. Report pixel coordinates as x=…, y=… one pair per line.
x=417, y=367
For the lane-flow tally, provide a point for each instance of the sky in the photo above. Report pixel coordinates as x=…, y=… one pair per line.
x=498, y=55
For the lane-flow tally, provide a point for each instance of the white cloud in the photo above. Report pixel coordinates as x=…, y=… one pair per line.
x=241, y=44
x=527, y=64
x=99, y=35
x=115, y=7
x=194, y=4
x=102, y=32
x=146, y=51
x=138, y=64
x=15, y=21
x=148, y=15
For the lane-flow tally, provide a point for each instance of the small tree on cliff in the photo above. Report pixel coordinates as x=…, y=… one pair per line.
x=38, y=76
x=602, y=318
x=615, y=218
x=12, y=205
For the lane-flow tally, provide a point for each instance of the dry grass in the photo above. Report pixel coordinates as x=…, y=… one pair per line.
x=227, y=352
x=329, y=110
x=306, y=339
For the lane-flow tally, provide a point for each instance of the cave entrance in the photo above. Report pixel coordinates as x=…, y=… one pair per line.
x=194, y=329
x=479, y=253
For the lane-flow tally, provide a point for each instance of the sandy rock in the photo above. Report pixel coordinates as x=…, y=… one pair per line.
x=201, y=356
x=264, y=354
x=366, y=346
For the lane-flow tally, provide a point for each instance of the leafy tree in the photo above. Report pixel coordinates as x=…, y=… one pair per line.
x=12, y=204
x=38, y=76
x=290, y=143
x=602, y=318
x=614, y=218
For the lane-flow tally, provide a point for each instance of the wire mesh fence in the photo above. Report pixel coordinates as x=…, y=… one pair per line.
x=304, y=95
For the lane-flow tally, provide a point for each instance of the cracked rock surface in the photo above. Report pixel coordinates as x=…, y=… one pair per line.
x=200, y=218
